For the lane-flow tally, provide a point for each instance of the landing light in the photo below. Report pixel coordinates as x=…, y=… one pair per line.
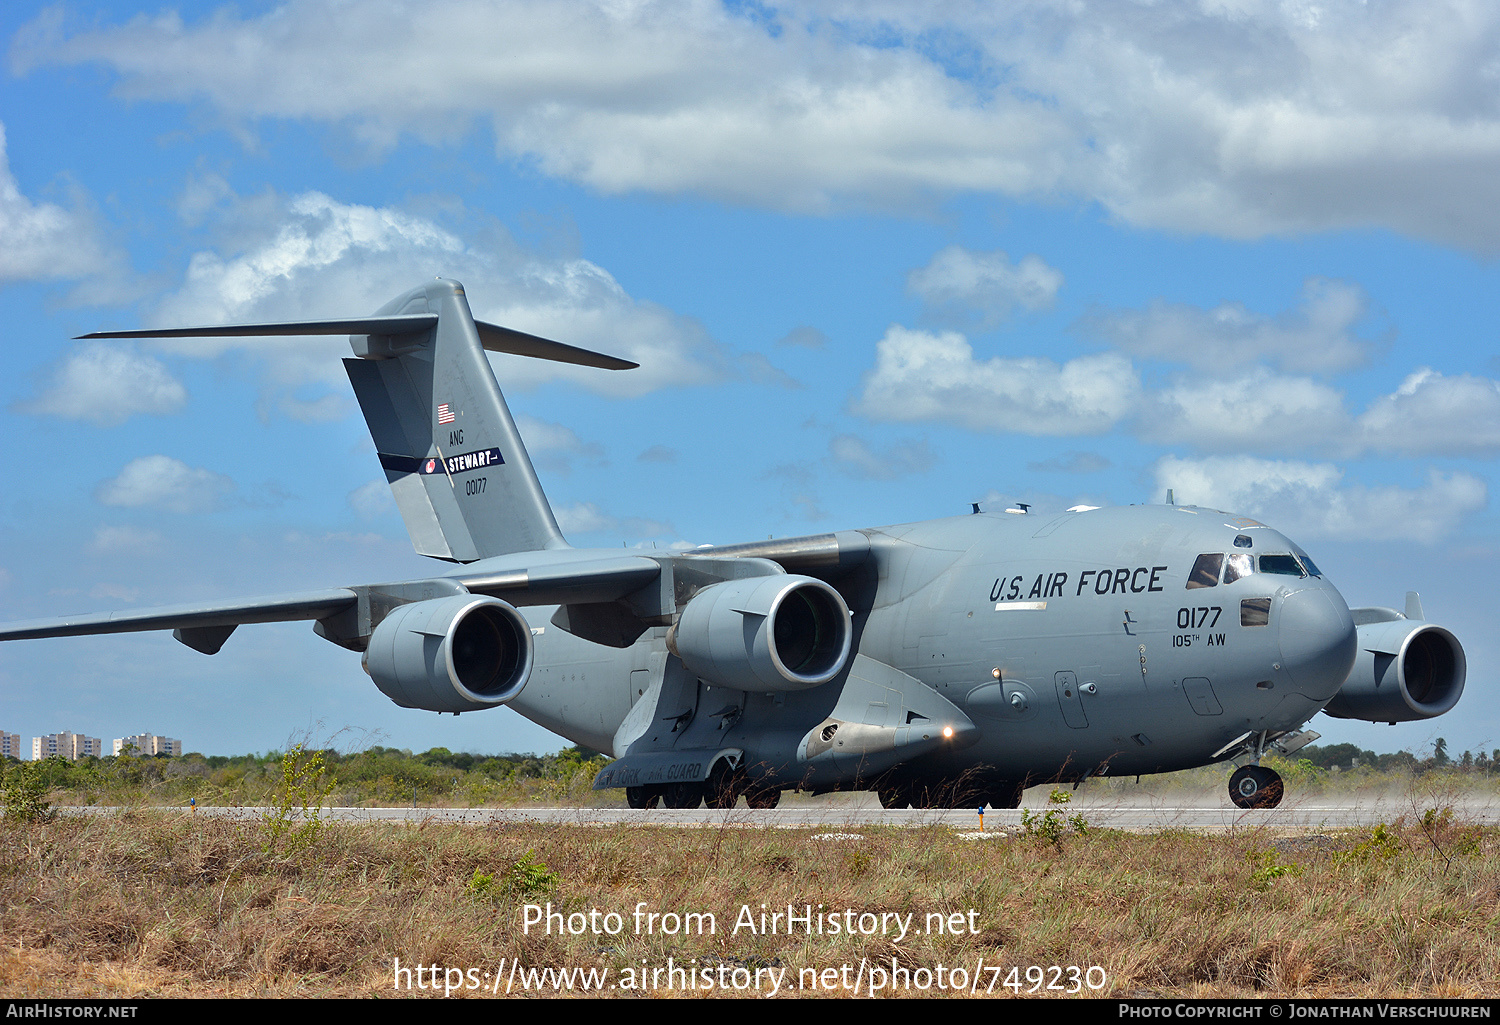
x=947, y=732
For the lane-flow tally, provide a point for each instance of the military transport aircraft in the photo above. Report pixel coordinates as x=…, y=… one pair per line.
x=958, y=660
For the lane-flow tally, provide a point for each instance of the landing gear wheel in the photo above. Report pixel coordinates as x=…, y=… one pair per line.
x=923, y=795
x=893, y=796
x=724, y=787
x=1005, y=795
x=642, y=797
x=683, y=795
x=1255, y=786
x=763, y=799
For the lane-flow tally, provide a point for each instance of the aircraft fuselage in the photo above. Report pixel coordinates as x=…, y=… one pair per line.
x=1073, y=645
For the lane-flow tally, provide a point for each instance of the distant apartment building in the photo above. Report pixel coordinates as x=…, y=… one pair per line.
x=149, y=744
x=10, y=745
x=71, y=746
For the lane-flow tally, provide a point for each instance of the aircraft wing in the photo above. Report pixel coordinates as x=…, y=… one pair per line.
x=200, y=625
x=348, y=613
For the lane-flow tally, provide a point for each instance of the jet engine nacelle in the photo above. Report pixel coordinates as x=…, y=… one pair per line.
x=454, y=654
x=1404, y=670
x=773, y=633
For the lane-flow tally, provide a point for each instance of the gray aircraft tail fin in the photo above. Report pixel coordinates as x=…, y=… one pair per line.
x=449, y=447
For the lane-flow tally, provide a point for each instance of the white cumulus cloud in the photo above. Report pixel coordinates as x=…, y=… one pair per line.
x=1315, y=337
x=589, y=518
x=310, y=256
x=963, y=287
x=1258, y=411
x=161, y=482
x=1237, y=119
x=920, y=376
x=43, y=240
x=1312, y=500
x=1433, y=414
x=108, y=384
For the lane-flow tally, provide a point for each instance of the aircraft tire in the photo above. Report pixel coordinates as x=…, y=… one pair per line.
x=763, y=799
x=642, y=798
x=892, y=797
x=683, y=795
x=724, y=787
x=1005, y=795
x=1255, y=786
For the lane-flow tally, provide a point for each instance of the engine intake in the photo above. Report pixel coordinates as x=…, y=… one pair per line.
x=775, y=633
x=454, y=654
x=1404, y=670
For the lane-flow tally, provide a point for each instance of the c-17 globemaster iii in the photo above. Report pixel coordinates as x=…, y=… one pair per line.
x=952, y=661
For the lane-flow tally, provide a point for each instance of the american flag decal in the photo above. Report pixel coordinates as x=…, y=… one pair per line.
x=445, y=415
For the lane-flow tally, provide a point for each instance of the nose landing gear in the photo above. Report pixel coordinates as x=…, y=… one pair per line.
x=1255, y=786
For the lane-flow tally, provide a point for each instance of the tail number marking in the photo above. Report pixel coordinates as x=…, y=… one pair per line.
x=1188, y=619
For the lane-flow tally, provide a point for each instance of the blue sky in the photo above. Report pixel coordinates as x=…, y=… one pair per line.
x=877, y=263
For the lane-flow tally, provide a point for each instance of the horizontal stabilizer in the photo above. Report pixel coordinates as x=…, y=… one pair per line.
x=519, y=343
x=398, y=324
x=492, y=336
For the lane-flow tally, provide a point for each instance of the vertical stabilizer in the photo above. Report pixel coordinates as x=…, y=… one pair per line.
x=451, y=451
x=449, y=447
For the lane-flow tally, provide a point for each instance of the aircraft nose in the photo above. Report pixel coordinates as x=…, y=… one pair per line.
x=1318, y=641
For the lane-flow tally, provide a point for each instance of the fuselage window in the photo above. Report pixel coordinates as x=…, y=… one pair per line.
x=1284, y=565
x=1255, y=612
x=1206, y=571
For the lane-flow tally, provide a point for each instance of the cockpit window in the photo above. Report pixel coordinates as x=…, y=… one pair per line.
x=1242, y=541
x=1284, y=565
x=1307, y=563
x=1238, y=565
x=1206, y=571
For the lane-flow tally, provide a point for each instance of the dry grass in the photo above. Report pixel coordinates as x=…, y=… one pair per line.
x=171, y=905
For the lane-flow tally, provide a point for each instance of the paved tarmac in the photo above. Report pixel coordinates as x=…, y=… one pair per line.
x=1146, y=813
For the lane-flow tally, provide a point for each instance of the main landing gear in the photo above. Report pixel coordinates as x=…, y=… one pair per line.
x=1255, y=786
x=693, y=795
x=669, y=795
x=919, y=794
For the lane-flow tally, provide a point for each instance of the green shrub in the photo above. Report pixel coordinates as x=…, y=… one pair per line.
x=294, y=816
x=25, y=794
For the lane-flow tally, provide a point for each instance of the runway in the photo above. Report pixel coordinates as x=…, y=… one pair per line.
x=846, y=812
